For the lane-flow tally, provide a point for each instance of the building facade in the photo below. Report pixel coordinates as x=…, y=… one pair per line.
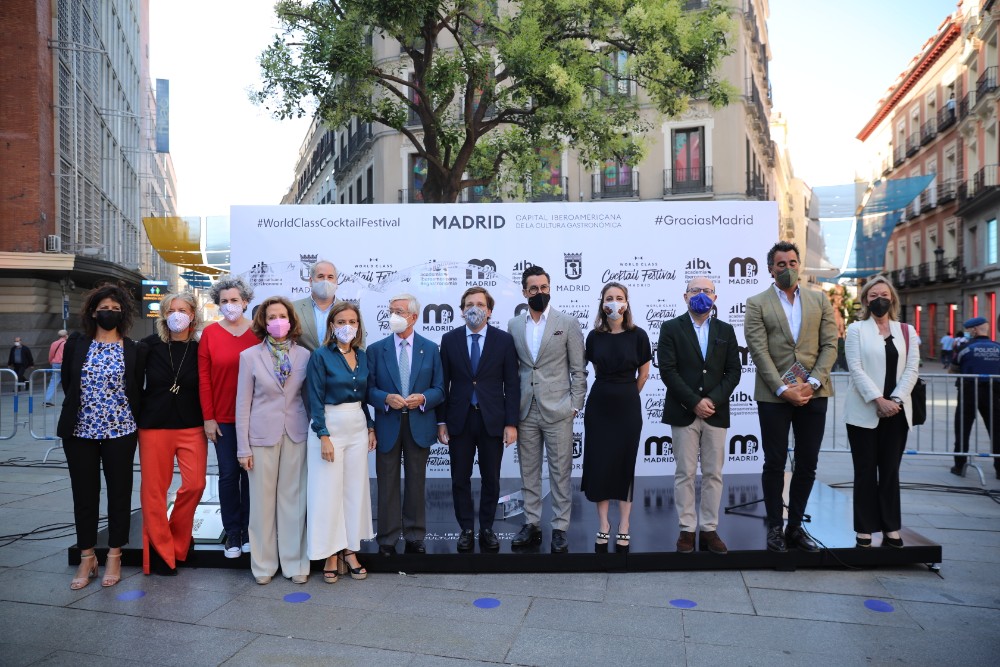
x=705, y=154
x=78, y=174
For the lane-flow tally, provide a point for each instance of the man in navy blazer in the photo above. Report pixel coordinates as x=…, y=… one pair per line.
x=405, y=384
x=480, y=412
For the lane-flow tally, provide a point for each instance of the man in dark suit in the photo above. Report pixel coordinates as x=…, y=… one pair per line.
x=792, y=336
x=405, y=384
x=700, y=364
x=480, y=412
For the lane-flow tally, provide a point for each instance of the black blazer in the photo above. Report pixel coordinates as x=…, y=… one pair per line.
x=498, y=385
x=74, y=356
x=690, y=377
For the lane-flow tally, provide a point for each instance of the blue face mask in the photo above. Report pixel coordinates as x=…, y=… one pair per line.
x=474, y=316
x=700, y=303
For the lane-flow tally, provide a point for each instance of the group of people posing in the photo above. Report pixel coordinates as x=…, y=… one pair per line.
x=293, y=403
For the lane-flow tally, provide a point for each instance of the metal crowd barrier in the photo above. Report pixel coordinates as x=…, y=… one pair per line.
x=44, y=395
x=8, y=403
x=936, y=437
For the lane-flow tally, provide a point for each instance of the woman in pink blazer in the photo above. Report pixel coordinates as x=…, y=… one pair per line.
x=884, y=359
x=271, y=429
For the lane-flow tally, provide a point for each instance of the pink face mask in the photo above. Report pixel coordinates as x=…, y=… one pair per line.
x=279, y=327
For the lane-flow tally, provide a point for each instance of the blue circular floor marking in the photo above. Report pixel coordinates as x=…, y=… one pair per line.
x=131, y=595
x=879, y=605
x=297, y=597
x=681, y=603
x=487, y=603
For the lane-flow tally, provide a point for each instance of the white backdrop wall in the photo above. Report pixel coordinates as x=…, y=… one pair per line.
x=436, y=251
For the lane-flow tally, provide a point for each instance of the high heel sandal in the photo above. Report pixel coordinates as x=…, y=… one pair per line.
x=80, y=582
x=110, y=580
x=601, y=547
x=331, y=576
x=622, y=537
x=343, y=567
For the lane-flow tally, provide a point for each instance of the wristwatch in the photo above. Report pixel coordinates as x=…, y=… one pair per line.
x=897, y=400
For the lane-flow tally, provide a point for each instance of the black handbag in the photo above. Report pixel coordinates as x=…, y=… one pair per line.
x=918, y=395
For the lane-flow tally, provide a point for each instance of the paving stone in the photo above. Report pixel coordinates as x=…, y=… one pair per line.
x=368, y=593
x=455, y=605
x=713, y=591
x=825, y=607
x=270, y=650
x=851, y=582
x=277, y=617
x=539, y=646
x=162, y=599
x=962, y=582
x=422, y=633
x=607, y=618
x=561, y=586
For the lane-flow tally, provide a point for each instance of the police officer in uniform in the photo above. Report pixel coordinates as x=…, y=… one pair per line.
x=978, y=356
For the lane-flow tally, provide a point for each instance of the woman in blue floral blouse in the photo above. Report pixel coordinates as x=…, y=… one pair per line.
x=102, y=383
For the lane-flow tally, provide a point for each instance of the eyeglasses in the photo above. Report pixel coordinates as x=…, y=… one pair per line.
x=402, y=312
x=696, y=290
x=535, y=289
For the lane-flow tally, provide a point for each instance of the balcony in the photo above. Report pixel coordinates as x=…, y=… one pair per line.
x=923, y=273
x=927, y=132
x=694, y=5
x=946, y=191
x=623, y=185
x=368, y=199
x=411, y=196
x=756, y=189
x=898, y=156
x=986, y=83
x=755, y=101
x=911, y=212
x=948, y=270
x=946, y=116
x=927, y=202
x=541, y=195
x=678, y=182
x=965, y=104
x=478, y=194
x=913, y=144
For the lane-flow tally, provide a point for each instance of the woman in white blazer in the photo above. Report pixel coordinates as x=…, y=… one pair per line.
x=272, y=425
x=883, y=357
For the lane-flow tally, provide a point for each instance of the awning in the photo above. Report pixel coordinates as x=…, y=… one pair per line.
x=888, y=195
x=198, y=244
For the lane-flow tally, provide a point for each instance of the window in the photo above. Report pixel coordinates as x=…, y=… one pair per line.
x=616, y=178
x=547, y=183
x=417, y=176
x=688, y=154
x=616, y=81
x=991, y=241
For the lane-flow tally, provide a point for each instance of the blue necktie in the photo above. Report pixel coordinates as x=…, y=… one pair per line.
x=475, y=365
x=404, y=368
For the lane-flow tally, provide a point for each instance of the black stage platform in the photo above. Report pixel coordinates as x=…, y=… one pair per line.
x=654, y=532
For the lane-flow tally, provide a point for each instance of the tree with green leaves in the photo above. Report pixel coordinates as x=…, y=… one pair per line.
x=479, y=86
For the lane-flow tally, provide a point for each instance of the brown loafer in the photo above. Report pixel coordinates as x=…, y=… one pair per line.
x=685, y=543
x=709, y=540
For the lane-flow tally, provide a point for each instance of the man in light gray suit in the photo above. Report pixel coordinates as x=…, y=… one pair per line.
x=314, y=309
x=553, y=374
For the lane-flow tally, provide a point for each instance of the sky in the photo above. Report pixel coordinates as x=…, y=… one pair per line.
x=832, y=60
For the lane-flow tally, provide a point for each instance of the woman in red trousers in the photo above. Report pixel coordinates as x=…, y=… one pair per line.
x=171, y=427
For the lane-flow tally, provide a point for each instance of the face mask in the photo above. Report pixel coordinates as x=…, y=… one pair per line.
x=17, y=344
x=108, y=319
x=539, y=302
x=880, y=306
x=474, y=316
x=323, y=289
x=345, y=334
x=967, y=334
x=397, y=323
x=178, y=322
x=279, y=327
x=614, y=309
x=700, y=303
x=787, y=278
x=232, y=311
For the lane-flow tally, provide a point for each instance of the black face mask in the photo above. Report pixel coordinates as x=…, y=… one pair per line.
x=880, y=306
x=539, y=302
x=108, y=319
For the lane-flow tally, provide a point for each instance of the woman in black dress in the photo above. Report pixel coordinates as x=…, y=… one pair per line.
x=621, y=354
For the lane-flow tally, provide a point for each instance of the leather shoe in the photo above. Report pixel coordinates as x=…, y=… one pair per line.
x=894, y=542
x=386, y=550
x=415, y=547
x=709, y=540
x=776, y=540
x=529, y=535
x=958, y=470
x=560, y=544
x=488, y=540
x=798, y=538
x=685, y=542
x=465, y=540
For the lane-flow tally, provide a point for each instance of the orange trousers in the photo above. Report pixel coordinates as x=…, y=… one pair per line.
x=157, y=450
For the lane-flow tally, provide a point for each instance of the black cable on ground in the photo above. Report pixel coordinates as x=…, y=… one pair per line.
x=992, y=494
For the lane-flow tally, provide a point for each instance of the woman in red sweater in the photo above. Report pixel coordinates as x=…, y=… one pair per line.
x=218, y=369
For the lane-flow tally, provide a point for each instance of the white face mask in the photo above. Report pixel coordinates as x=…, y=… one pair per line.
x=323, y=289
x=178, y=321
x=345, y=334
x=614, y=309
x=397, y=323
x=231, y=311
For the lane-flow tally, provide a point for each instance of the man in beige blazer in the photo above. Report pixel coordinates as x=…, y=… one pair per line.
x=785, y=325
x=313, y=309
x=553, y=374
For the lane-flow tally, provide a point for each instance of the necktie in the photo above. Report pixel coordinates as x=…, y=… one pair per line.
x=404, y=369
x=475, y=364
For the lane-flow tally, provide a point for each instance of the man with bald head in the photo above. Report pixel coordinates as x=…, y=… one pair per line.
x=313, y=309
x=699, y=361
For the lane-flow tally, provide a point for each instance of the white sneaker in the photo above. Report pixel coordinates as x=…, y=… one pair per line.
x=246, y=547
x=233, y=547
